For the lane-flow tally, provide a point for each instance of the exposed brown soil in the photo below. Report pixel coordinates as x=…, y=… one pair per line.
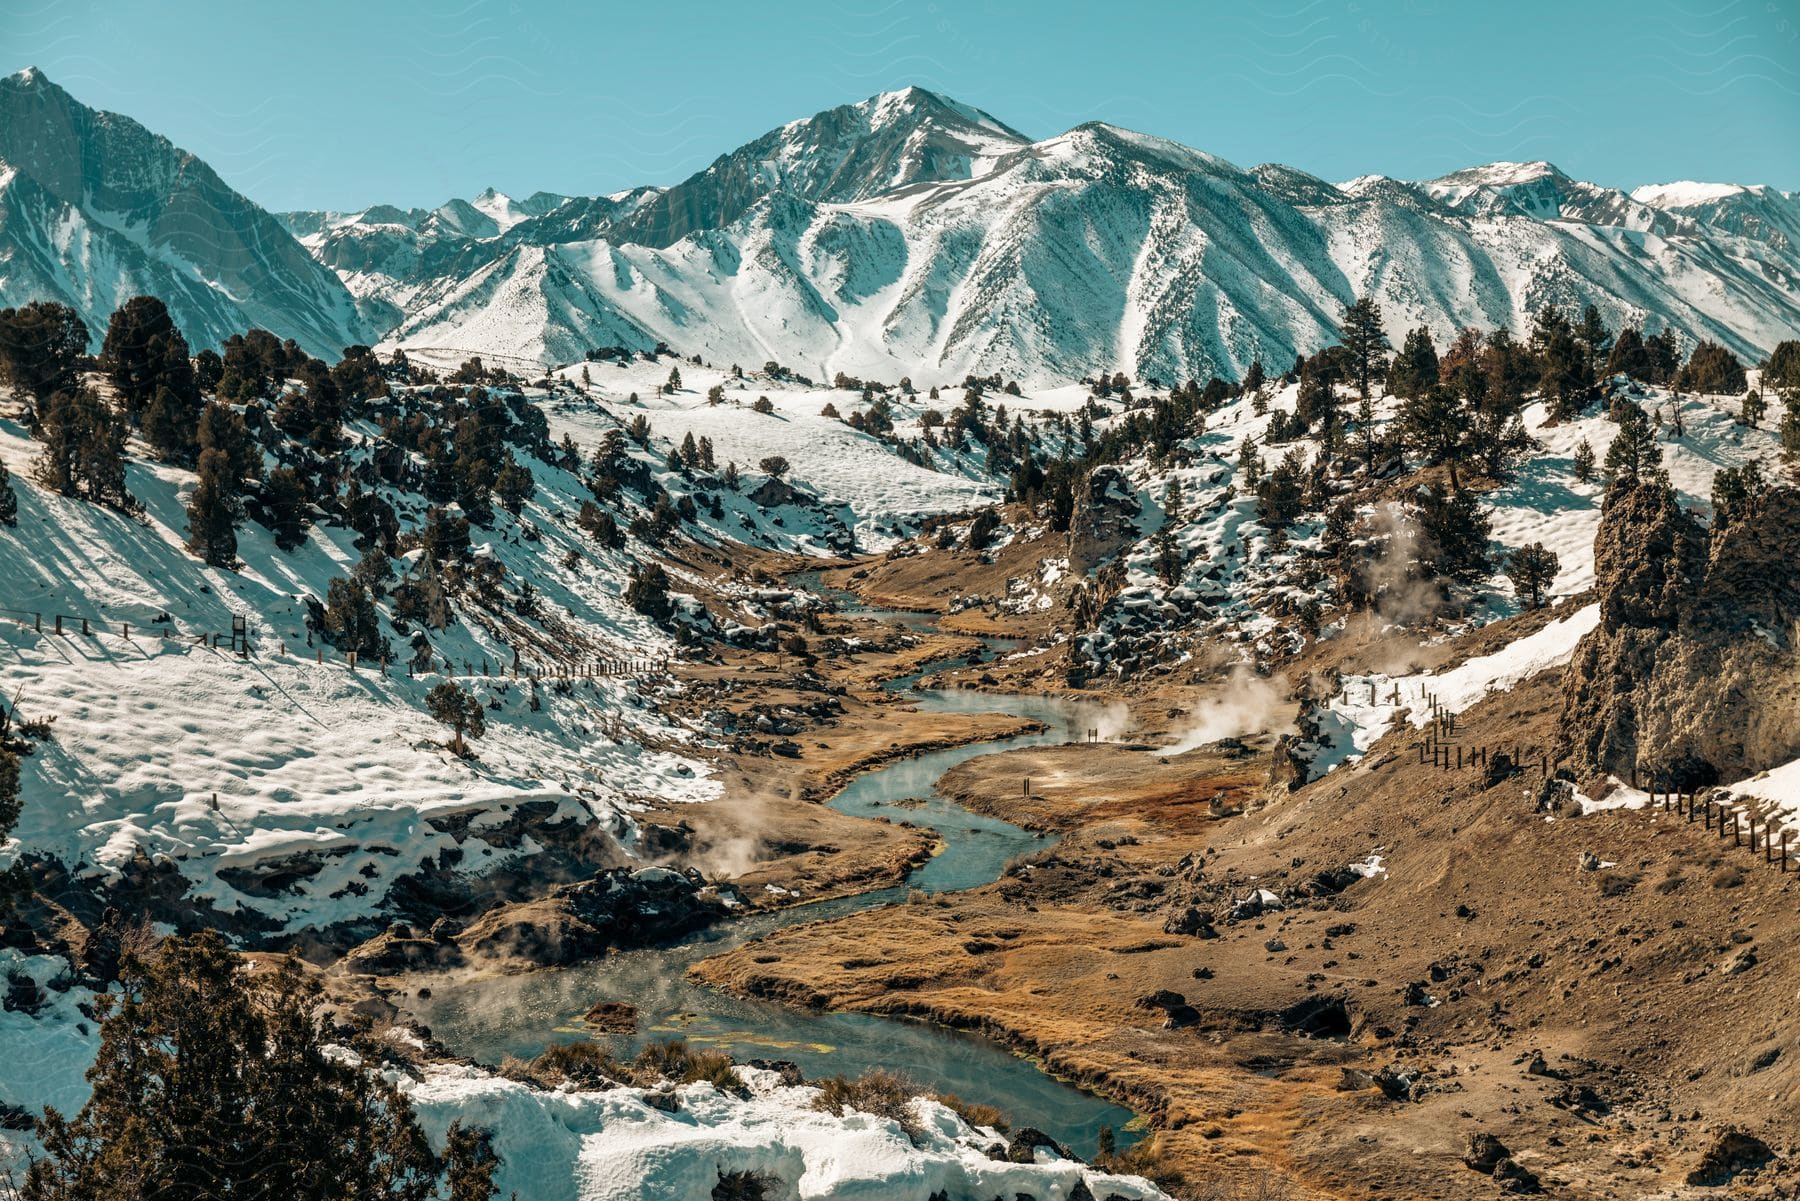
x=1483, y=946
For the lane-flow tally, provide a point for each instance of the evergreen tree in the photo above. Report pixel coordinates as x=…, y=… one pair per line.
x=1783, y=370
x=9, y=500
x=1629, y=356
x=41, y=345
x=212, y=512
x=143, y=351
x=1279, y=495
x=1584, y=461
x=1664, y=352
x=514, y=485
x=1594, y=339
x=211, y=1082
x=171, y=425
x=469, y=1163
x=1361, y=335
x=221, y=429
x=373, y=571
x=287, y=509
x=1564, y=372
x=648, y=593
x=1415, y=368
x=1433, y=424
x=1453, y=536
x=1634, y=452
x=83, y=452
x=674, y=379
x=1713, y=370
x=1532, y=569
x=351, y=623
x=1736, y=492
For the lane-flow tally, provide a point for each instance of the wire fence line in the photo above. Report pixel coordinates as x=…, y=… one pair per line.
x=240, y=640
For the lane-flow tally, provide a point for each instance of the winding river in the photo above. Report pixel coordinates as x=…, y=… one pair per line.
x=521, y=1015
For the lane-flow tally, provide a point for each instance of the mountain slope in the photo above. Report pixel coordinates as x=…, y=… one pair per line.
x=1103, y=249
x=94, y=209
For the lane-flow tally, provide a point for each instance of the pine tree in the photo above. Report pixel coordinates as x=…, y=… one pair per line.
x=212, y=1082
x=1634, y=451
x=1584, y=461
x=674, y=379
x=453, y=706
x=351, y=623
x=1629, y=356
x=171, y=425
x=1433, y=424
x=1564, y=373
x=1713, y=370
x=212, y=512
x=1664, y=352
x=1783, y=369
x=41, y=345
x=1415, y=368
x=9, y=500
x=648, y=593
x=469, y=1163
x=143, y=351
x=1595, y=340
x=1532, y=569
x=286, y=507
x=514, y=485
x=83, y=452
x=1736, y=492
x=222, y=429
x=1361, y=335
x=1453, y=536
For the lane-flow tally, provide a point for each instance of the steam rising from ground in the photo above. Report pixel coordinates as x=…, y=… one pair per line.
x=1401, y=595
x=1246, y=704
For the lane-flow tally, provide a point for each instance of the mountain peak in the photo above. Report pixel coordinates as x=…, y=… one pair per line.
x=1683, y=192
x=886, y=107
x=1502, y=174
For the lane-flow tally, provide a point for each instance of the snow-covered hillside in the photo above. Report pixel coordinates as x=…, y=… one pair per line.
x=291, y=790
x=1103, y=249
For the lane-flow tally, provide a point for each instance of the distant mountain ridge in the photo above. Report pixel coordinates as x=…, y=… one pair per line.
x=905, y=233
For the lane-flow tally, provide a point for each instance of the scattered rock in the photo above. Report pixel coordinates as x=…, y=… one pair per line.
x=1732, y=1153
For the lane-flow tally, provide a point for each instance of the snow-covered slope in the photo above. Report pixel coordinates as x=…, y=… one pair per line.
x=95, y=209
x=1104, y=249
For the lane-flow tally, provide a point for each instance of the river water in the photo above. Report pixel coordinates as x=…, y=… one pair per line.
x=521, y=1015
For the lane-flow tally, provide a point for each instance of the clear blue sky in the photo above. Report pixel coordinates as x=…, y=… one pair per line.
x=332, y=104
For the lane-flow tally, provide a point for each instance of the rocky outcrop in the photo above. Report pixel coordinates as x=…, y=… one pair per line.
x=1693, y=672
x=616, y=909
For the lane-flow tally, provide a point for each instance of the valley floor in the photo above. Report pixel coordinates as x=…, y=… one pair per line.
x=1447, y=959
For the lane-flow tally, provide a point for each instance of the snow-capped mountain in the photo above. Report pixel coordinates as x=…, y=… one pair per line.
x=1107, y=249
x=95, y=209
x=901, y=235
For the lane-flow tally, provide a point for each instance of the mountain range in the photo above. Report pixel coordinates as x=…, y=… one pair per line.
x=907, y=234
